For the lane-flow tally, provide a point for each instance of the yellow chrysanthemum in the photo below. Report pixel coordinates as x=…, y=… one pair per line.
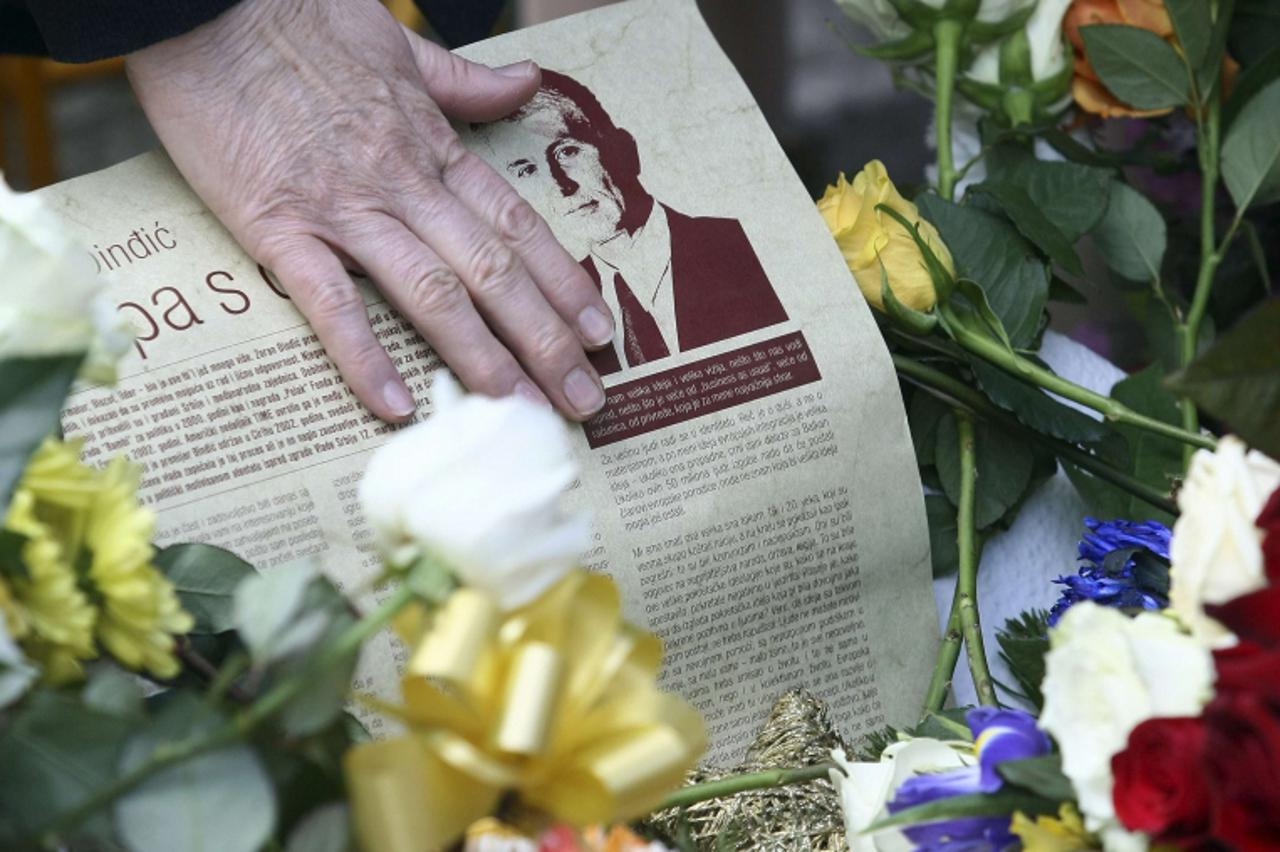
x=51, y=615
x=140, y=610
x=1066, y=833
x=92, y=526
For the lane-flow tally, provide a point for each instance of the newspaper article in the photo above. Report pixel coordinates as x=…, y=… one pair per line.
x=751, y=479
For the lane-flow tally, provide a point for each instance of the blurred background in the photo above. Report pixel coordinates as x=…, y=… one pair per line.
x=831, y=108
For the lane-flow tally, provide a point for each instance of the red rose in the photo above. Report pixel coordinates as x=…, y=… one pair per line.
x=1269, y=523
x=1160, y=784
x=1242, y=758
x=1254, y=617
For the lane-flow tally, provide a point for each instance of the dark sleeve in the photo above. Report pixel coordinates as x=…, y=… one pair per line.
x=83, y=30
x=460, y=22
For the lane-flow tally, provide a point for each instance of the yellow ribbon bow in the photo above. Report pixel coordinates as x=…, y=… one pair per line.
x=556, y=702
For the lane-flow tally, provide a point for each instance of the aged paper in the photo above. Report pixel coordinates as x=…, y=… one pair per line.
x=751, y=479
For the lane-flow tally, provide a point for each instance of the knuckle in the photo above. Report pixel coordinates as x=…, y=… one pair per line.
x=332, y=297
x=551, y=344
x=516, y=220
x=436, y=290
x=452, y=156
x=494, y=268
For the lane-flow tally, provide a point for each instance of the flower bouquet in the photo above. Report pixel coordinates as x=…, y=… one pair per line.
x=176, y=698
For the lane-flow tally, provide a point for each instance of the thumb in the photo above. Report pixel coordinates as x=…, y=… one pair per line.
x=468, y=90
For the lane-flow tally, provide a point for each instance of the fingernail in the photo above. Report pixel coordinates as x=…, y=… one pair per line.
x=531, y=393
x=584, y=395
x=516, y=69
x=397, y=398
x=596, y=326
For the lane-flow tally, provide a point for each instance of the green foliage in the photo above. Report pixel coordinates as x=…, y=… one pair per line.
x=268, y=611
x=31, y=395
x=56, y=753
x=112, y=690
x=1131, y=236
x=326, y=829
x=1039, y=775
x=1072, y=196
x=1138, y=66
x=1252, y=80
x=916, y=322
x=949, y=724
x=1032, y=222
x=941, y=515
x=871, y=746
x=1194, y=27
x=183, y=807
x=205, y=578
x=1036, y=408
x=1004, y=464
x=1152, y=459
x=1251, y=151
x=990, y=251
x=1023, y=642
x=1238, y=379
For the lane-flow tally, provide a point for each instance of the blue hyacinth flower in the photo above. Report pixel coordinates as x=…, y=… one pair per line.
x=1125, y=565
x=999, y=735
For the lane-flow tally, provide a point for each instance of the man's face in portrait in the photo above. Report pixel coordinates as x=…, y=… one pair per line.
x=563, y=177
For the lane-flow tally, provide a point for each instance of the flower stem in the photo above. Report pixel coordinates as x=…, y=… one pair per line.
x=733, y=784
x=1208, y=134
x=967, y=581
x=236, y=728
x=1028, y=371
x=958, y=393
x=947, y=35
x=944, y=668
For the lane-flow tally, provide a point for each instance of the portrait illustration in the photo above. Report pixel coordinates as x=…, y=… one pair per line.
x=674, y=281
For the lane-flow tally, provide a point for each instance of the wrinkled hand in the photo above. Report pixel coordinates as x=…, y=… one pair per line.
x=315, y=130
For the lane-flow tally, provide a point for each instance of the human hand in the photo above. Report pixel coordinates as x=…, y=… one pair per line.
x=315, y=131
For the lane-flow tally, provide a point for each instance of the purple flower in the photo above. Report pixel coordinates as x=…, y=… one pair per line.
x=1126, y=565
x=1000, y=735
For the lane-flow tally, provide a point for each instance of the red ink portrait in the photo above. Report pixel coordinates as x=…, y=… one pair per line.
x=675, y=282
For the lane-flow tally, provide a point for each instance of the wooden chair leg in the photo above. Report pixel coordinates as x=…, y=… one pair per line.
x=36, y=130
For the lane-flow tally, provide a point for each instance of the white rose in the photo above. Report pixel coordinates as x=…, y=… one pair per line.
x=1048, y=52
x=1216, y=550
x=865, y=788
x=883, y=21
x=1105, y=673
x=479, y=484
x=52, y=301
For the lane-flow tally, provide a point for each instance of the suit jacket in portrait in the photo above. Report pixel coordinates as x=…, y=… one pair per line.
x=718, y=286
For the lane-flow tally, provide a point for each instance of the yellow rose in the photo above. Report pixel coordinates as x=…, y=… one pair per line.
x=868, y=237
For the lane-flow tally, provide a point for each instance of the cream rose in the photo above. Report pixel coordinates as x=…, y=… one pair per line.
x=52, y=301
x=480, y=485
x=1216, y=550
x=866, y=787
x=869, y=238
x=1105, y=673
x=882, y=19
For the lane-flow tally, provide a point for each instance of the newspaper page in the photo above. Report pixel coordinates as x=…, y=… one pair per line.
x=751, y=478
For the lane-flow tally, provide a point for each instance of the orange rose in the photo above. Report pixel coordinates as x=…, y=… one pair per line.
x=1087, y=88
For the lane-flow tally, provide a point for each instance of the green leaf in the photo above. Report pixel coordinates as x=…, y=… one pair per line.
x=1071, y=196
x=973, y=311
x=916, y=322
x=1209, y=75
x=975, y=804
x=1238, y=378
x=321, y=702
x=113, y=691
x=1023, y=642
x=990, y=251
x=220, y=800
x=942, y=535
x=949, y=724
x=1004, y=466
x=32, y=391
x=1139, y=67
x=326, y=829
x=205, y=578
x=1153, y=459
x=1032, y=223
x=923, y=415
x=1194, y=27
x=1036, y=408
x=1061, y=290
x=1040, y=775
x=56, y=753
x=912, y=46
x=1251, y=151
x=264, y=607
x=1131, y=236
x=1251, y=81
